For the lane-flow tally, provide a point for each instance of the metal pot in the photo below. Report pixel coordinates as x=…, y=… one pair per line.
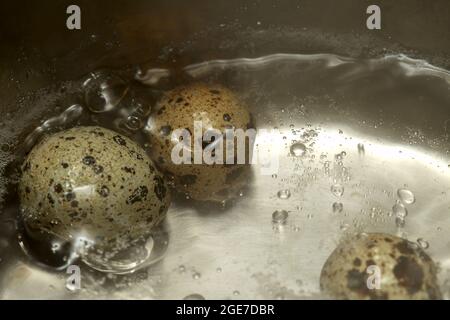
x=373, y=103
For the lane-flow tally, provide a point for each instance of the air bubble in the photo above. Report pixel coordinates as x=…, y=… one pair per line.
x=133, y=123
x=103, y=91
x=280, y=216
x=55, y=247
x=284, y=194
x=423, y=243
x=399, y=210
x=400, y=222
x=337, y=207
x=298, y=149
x=337, y=190
x=406, y=196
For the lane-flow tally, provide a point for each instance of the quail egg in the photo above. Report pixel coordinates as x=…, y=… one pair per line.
x=379, y=266
x=91, y=182
x=216, y=107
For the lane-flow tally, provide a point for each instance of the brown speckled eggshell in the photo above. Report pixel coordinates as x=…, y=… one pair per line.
x=217, y=107
x=407, y=272
x=91, y=181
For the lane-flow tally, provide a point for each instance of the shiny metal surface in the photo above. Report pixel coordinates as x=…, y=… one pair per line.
x=335, y=93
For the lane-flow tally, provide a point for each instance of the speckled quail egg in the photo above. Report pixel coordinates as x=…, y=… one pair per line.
x=403, y=269
x=91, y=182
x=217, y=108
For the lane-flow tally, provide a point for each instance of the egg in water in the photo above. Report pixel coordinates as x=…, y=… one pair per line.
x=379, y=266
x=215, y=107
x=94, y=185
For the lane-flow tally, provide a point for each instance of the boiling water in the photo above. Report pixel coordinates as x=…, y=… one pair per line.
x=357, y=151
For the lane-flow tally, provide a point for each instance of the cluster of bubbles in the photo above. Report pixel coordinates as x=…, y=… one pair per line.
x=337, y=190
x=108, y=96
x=405, y=197
x=340, y=175
x=301, y=146
x=301, y=149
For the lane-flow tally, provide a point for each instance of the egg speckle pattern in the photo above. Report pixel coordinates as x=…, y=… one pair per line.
x=216, y=107
x=91, y=181
x=405, y=270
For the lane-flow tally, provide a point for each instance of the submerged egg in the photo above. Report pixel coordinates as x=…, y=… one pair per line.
x=379, y=266
x=216, y=107
x=94, y=184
